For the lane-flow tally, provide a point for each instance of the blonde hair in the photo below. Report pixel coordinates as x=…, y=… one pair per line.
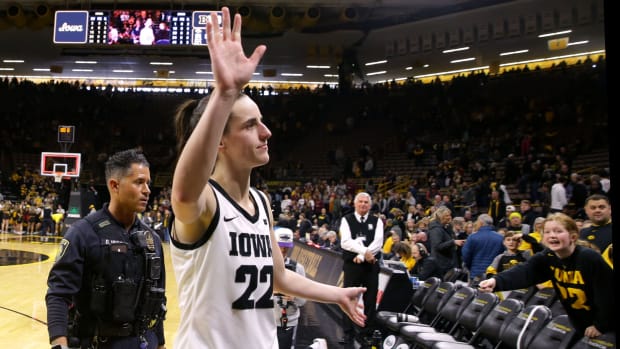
x=566, y=221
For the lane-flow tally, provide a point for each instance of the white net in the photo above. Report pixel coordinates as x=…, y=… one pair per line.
x=58, y=177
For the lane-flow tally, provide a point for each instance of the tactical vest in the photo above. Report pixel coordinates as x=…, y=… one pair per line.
x=125, y=294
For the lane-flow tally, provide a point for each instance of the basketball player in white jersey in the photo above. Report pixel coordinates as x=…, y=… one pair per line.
x=224, y=253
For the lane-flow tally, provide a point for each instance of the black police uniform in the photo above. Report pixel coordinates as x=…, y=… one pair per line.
x=106, y=287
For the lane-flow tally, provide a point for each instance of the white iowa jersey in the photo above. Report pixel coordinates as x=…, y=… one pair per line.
x=225, y=280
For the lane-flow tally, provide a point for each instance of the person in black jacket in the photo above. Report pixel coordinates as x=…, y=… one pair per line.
x=425, y=266
x=106, y=289
x=580, y=276
x=444, y=245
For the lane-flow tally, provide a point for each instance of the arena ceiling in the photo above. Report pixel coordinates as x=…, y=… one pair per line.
x=372, y=40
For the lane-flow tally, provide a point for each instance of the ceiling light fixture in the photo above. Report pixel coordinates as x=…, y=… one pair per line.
x=292, y=74
x=469, y=59
x=555, y=33
x=160, y=63
x=456, y=49
x=318, y=67
x=13, y=61
x=377, y=73
x=578, y=43
x=451, y=72
x=376, y=62
x=85, y=62
x=552, y=58
x=513, y=52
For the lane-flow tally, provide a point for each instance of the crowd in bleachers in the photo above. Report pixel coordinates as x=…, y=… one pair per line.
x=512, y=132
x=477, y=145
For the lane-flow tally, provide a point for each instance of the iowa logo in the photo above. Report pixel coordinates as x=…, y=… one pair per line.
x=62, y=248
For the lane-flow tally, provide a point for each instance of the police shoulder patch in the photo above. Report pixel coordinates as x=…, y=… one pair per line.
x=62, y=248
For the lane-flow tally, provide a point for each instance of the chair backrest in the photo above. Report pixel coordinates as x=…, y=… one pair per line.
x=455, y=274
x=477, y=310
x=511, y=336
x=456, y=304
x=497, y=318
x=523, y=294
x=545, y=296
x=557, y=334
x=424, y=290
x=435, y=301
x=606, y=340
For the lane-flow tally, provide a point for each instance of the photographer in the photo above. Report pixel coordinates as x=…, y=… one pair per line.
x=286, y=308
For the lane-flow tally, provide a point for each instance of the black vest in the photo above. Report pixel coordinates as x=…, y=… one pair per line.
x=366, y=229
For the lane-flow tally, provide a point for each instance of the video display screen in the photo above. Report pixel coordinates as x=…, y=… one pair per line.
x=131, y=27
x=149, y=27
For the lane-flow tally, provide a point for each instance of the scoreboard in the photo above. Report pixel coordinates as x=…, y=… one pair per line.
x=132, y=27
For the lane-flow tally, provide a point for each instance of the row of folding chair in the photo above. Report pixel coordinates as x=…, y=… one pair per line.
x=451, y=315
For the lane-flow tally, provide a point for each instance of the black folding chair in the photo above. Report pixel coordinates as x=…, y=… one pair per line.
x=524, y=327
x=558, y=334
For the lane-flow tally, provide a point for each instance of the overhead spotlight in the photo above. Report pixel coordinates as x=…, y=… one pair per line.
x=15, y=14
x=277, y=17
x=43, y=16
x=311, y=16
x=349, y=14
x=245, y=11
x=42, y=10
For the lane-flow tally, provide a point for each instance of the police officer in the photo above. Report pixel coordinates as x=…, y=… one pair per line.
x=106, y=287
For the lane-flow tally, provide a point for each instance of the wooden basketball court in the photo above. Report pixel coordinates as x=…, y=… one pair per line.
x=25, y=262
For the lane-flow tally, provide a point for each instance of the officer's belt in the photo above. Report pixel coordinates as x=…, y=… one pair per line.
x=108, y=329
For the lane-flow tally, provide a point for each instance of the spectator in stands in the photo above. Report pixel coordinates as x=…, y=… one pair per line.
x=515, y=224
x=510, y=257
x=598, y=210
x=595, y=185
x=528, y=214
x=425, y=265
x=558, y=195
x=581, y=276
x=410, y=229
x=332, y=242
x=532, y=240
x=497, y=208
x=579, y=194
x=482, y=247
x=390, y=242
x=402, y=250
x=442, y=240
x=503, y=221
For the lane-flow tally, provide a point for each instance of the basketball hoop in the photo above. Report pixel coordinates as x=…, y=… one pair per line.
x=58, y=177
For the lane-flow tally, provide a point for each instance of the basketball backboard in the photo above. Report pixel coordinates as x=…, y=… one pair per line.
x=54, y=164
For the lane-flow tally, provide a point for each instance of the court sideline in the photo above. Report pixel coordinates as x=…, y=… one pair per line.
x=24, y=265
